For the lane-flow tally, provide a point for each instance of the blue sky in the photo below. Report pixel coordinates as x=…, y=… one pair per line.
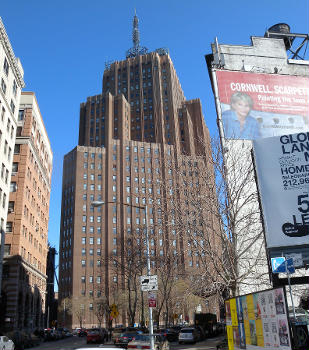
x=63, y=47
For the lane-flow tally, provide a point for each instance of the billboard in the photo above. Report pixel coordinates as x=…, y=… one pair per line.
x=258, y=321
x=262, y=105
x=282, y=166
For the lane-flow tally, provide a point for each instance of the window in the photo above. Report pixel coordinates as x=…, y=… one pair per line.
x=83, y=279
x=6, y=66
x=115, y=279
x=9, y=227
x=12, y=105
x=13, y=187
x=83, y=263
x=99, y=279
x=91, y=241
x=98, y=252
x=16, y=149
x=3, y=86
x=83, y=251
x=90, y=279
x=15, y=167
x=10, y=206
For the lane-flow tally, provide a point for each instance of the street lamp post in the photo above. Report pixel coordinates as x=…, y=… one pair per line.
x=99, y=204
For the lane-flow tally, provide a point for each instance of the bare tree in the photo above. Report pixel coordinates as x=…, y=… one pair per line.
x=101, y=309
x=73, y=307
x=166, y=268
x=217, y=219
x=130, y=267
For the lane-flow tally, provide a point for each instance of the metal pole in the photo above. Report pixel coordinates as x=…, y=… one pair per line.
x=290, y=288
x=64, y=312
x=2, y=233
x=149, y=273
x=47, y=318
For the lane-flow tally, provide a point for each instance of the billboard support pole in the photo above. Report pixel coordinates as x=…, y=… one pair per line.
x=290, y=288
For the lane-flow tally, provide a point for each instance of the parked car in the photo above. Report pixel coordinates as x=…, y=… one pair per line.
x=124, y=338
x=142, y=341
x=82, y=332
x=96, y=335
x=75, y=331
x=67, y=333
x=6, y=343
x=200, y=332
x=188, y=335
x=116, y=333
x=169, y=333
x=99, y=348
x=17, y=338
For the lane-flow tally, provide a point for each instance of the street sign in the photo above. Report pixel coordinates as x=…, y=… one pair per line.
x=280, y=265
x=297, y=259
x=152, y=299
x=149, y=283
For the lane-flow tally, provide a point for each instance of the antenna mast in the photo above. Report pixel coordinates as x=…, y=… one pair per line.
x=136, y=50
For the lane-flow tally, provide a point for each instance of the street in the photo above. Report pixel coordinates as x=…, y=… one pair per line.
x=77, y=342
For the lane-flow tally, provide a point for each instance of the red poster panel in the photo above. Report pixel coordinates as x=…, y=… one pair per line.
x=262, y=105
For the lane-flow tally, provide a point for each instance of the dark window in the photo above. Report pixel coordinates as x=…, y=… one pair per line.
x=6, y=66
x=7, y=249
x=9, y=227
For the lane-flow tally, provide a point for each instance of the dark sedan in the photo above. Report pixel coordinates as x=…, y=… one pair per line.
x=124, y=338
x=168, y=333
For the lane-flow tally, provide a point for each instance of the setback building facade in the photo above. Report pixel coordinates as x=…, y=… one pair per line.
x=141, y=143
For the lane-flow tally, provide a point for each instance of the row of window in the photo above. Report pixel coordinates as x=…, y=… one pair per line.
x=98, y=240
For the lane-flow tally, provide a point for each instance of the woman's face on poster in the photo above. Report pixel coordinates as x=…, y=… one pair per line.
x=241, y=108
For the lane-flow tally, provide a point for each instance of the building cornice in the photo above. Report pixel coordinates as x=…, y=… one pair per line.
x=10, y=54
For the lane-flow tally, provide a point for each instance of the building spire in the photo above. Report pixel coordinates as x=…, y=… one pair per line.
x=136, y=50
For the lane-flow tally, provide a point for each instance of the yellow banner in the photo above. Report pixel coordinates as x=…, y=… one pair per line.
x=229, y=331
x=259, y=332
x=233, y=312
x=250, y=305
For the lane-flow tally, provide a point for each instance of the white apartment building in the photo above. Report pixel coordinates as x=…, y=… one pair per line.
x=11, y=83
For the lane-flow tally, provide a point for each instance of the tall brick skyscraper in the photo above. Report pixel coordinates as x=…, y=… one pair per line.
x=140, y=143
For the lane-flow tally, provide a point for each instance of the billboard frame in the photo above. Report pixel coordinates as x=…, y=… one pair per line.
x=280, y=251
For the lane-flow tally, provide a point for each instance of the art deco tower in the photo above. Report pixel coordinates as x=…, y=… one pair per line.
x=140, y=141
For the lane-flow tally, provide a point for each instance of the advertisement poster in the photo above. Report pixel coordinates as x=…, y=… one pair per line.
x=262, y=321
x=283, y=180
x=255, y=105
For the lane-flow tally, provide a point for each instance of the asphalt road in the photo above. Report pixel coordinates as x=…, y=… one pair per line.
x=80, y=342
